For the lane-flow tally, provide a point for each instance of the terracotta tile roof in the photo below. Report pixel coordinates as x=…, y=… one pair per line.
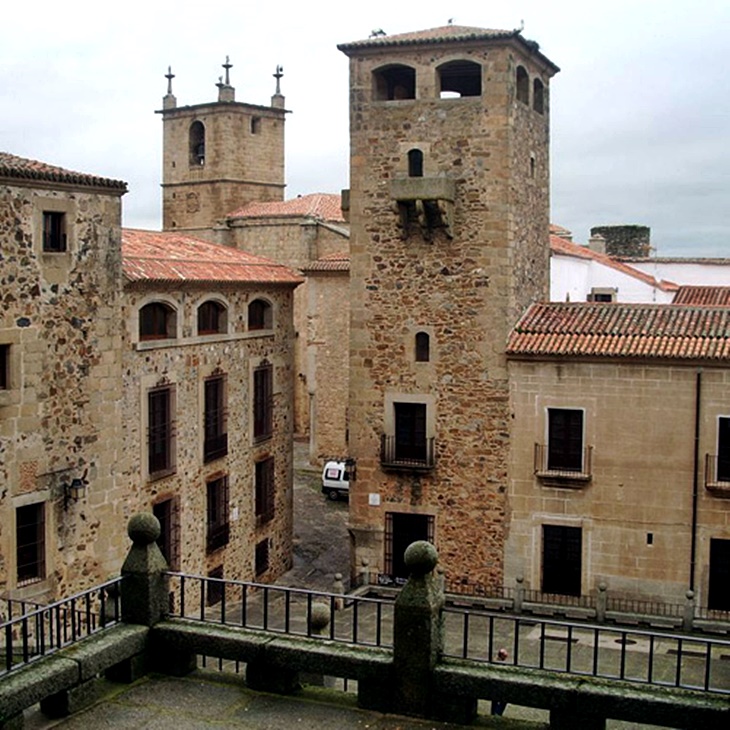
x=704, y=296
x=170, y=256
x=332, y=262
x=320, y=206
x=13, y=166
x=443, y=34
x=665, y=331
x=563, y=247
x=560, y=231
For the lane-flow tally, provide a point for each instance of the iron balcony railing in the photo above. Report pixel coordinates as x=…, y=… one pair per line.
x=545, y=468
x=394, y=454
x=46, y=629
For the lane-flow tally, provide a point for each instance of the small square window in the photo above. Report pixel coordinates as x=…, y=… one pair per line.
x=54, y=231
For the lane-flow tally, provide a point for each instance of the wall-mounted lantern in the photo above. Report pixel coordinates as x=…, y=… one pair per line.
x=74, y=490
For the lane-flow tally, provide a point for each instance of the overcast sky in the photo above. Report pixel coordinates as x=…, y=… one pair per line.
x=640, y=111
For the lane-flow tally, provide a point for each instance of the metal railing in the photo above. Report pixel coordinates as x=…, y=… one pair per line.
x=545, y=470
x=717, y=473
x=395, y=455
x=645, y=657
x=279, y=609
x=45, y=630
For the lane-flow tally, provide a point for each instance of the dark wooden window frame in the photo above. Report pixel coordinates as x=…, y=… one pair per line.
x=215, y=416
x=157, y=321
x=263, y=402
x=160, y=431
x=30, y=543
x=565, y=440
x=423, y=347
x=265, y=490
x=218, y=525
x=54, y=232
x=167, y=512
x=262, y=556
x=260, y=315
x=211, y=318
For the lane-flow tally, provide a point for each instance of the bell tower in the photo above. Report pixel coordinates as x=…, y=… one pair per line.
x=220, y=155
x=449, y=196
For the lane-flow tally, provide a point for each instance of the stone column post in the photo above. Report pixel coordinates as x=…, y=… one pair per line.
x=689, y=611
x=601, y=603
x=519, y=598
x=144, y=584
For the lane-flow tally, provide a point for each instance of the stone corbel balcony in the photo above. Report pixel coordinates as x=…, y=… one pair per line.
x=427, y=202
x=717, y=475
x=551, y=475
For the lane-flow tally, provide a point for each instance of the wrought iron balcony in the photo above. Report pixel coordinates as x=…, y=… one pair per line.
x=717, y=474
x=561, y=472
x=396, y=455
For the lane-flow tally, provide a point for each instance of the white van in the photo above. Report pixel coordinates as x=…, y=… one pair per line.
x=336, y=478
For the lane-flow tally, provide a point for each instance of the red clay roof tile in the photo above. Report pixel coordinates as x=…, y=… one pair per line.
x=170, y=256
x=331, y=262
x=320, y=206
x=13, y=166
x=622, y=330
x=705, y=296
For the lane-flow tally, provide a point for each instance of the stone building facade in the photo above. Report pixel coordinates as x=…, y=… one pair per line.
x=62, y=471
x=208, y=374
x=449, y=244
x=620, y=470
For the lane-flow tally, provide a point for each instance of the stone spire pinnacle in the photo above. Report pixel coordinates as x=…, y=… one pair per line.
x=225, y=91
x=277, y=100
x=169, y=101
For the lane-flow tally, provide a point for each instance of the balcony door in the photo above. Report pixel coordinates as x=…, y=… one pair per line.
x=410, y=432
x=719, y=592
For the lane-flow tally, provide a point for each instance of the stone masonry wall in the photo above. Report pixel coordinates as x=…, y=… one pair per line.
x=186, y=363
x=466, y=292
x=636, y=511
x=59, y=419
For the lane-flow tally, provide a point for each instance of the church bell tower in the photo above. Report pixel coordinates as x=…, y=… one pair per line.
x=220, y=155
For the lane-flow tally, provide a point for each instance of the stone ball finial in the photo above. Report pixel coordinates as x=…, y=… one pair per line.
x=143, y=528
x=420, y=557
x=319, y=618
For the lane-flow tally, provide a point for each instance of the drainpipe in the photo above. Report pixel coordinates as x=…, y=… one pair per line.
x=695, y=481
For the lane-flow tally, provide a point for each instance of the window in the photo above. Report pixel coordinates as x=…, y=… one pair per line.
x=4, y=367
x=602, y=294
x=262, y=557
x=214, y=587
x=215, y=443
x=168, y=514
x=523, y=85
x=415, y=163
x=723, y=449
x=211, y=318
x=402, y=529
x=255, y=125
x=538, y=96
x=54, y=231
x=410, y=431
x=565, y=440
x=423, y=345
x=394, y=82
x=263, y=402
x=160, y=432
x=259, y=315
x=157, y=321
x=460, y=78
x=30, y=540
x=265, y=490
x=197, y=143
x=218, y=530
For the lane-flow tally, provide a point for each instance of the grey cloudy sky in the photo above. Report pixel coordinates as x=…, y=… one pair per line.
x=640, y=111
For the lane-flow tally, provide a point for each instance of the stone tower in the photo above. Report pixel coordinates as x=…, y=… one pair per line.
x=219, y=156
x=449, y=244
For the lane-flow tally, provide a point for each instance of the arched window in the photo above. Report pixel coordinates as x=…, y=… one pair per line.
x=415, y=163
x=460, y=78
x=259, y=315
x=394, y=82
x=538, y=96
x=157, y=321
x=423, y=347
x=197, y=143
x=523, y=85
x=212, y=318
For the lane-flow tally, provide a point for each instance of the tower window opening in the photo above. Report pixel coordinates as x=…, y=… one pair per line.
x=255, y=125
x=523, y=85
x=415, y=163
x=460, y=78
x=423, y=347
x=532, y=167
x=394, y=82
x=538, y=96
x=197, y=143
